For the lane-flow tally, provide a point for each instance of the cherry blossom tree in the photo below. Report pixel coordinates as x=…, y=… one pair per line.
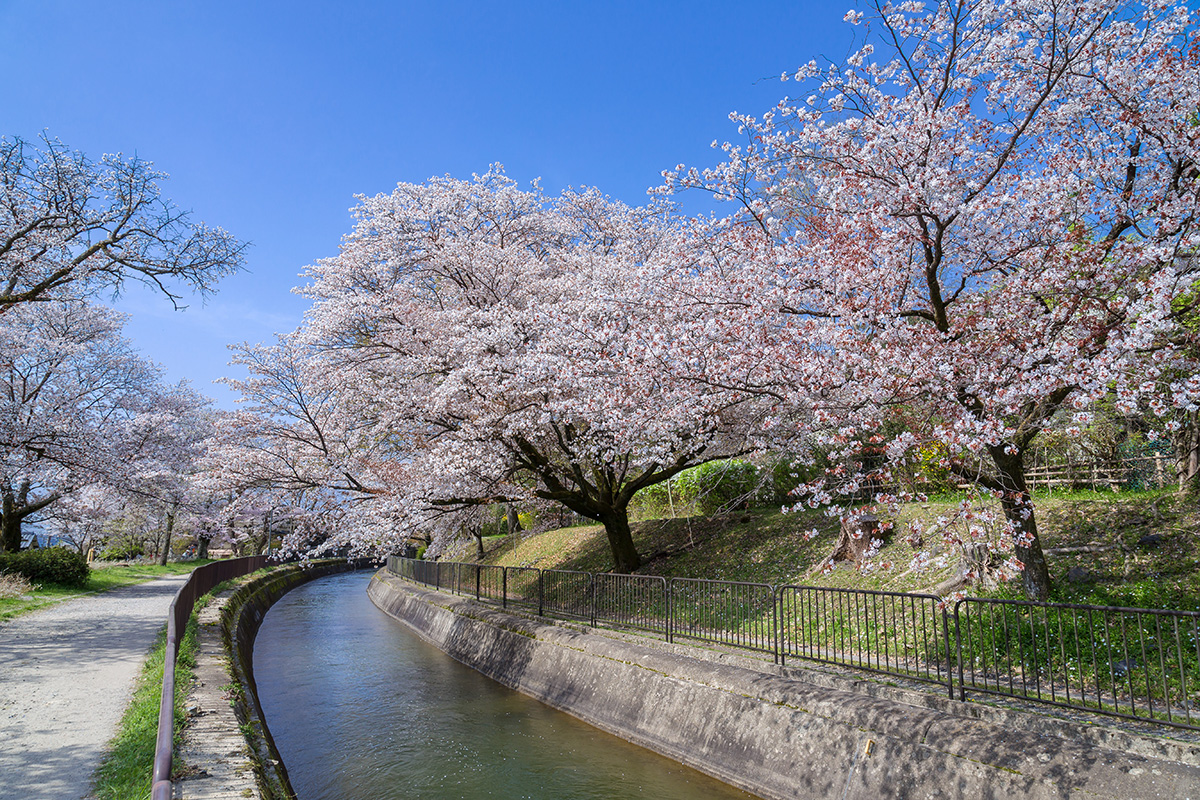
x=67, y=376
x=297, y=453
x=80, y=408
x=975, y=221
x=486, y=345
x=162, y=445
x=70, y=227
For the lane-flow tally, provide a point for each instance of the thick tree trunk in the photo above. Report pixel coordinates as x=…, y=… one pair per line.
x=1018, y=510
x=620, y=539
x=14, y=508
x=514, y=522
x=10, y=523
x=166, y=548
x=202, y=550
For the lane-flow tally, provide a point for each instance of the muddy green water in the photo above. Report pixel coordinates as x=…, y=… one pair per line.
x=362, y=709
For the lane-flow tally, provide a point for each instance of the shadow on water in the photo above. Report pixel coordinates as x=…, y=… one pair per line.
x=361, y=708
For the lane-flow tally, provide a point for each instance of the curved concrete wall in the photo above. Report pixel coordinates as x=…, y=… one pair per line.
x=779, y=737
x=241, y=618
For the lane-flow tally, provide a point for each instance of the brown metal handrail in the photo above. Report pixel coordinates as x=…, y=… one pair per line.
x=200, y=582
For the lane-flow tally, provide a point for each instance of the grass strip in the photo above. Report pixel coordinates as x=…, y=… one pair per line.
x=126, y=772
x=102, y=579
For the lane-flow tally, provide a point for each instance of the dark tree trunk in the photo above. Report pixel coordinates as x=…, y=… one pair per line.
x=620, y=539
x=479, y=551
x=261, y=546
x=202, y=550
x=1018, y=510
x=514, y=522
x=14, y=508
x=10, y=523
x=166, y=548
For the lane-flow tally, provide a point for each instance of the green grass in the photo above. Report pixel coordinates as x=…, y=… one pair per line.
x=103, y=578
x=127, y=770
x=765, y=546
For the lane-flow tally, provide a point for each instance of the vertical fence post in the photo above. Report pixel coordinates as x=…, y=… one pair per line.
x=962, y=683
x=504, y=587
x=946, y=643
x=668, y=591
x=592, y=591
x=774, y=628
x=779, y=643
x=541, y=593
x=478, y=569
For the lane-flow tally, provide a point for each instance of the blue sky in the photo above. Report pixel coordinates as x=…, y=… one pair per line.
x=271, y=116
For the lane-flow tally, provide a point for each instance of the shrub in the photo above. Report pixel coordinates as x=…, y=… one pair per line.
x=121, y=551
x=48, y=565
x=654, y=502
x=718, y=485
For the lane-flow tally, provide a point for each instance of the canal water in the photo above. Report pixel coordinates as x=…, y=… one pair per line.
x=361, y=708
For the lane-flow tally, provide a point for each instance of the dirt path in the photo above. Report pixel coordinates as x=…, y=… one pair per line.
x=66, y=674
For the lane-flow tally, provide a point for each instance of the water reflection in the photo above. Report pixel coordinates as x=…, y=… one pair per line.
x=361, y=708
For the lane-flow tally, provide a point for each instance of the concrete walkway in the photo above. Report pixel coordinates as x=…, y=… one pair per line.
x=66, y=675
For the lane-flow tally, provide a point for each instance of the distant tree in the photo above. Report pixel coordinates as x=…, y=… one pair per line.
x=70, y=227
x=296, y=449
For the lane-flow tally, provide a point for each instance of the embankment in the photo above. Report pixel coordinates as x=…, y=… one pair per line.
x=229, y=751
x=779, y=734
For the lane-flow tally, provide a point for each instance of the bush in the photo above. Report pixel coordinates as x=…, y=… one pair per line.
x=121, y=551
x=48, y=565
x=718, y=485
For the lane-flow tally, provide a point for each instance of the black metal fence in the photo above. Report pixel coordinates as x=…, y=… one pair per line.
x=1135, y=663
x=889, y=632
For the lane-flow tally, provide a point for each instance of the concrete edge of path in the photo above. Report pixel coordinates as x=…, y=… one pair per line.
x=227, y=749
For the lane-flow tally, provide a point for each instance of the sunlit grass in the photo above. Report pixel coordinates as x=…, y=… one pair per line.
x=766, y=546
x=127, y=770
x=103, y=578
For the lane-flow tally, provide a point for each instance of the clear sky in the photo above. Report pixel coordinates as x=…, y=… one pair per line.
x=270, y=116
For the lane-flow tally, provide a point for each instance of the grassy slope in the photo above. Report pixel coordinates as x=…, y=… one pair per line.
x=766, y=546
x=103, y=578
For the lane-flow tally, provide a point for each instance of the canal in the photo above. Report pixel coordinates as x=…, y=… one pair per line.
x=361, y=708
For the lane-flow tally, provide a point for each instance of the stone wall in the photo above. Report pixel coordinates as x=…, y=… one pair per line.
x=767, y=730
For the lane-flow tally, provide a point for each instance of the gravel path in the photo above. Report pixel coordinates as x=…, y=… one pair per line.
x=66, y=675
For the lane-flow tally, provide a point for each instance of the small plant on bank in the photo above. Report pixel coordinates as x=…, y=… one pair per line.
x=13, y=585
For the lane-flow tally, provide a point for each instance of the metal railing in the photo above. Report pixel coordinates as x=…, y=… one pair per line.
x=728, y=613
x=632, y=601
x=894, y=633
x=199, y=583
x=1135, y=663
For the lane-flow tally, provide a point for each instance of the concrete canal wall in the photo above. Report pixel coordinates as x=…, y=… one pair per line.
x=787, y=733
x=226, y=744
